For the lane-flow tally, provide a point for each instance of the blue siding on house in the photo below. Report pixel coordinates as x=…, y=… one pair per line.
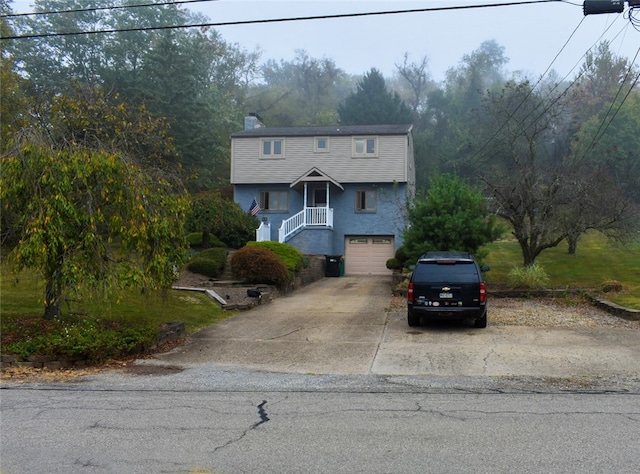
x=314, y=241
x=244, y=194
x=387, y=220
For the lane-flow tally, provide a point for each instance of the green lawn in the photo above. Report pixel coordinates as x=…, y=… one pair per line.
x=597, y=260
x=21, y=296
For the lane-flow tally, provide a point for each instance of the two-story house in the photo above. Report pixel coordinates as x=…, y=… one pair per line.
x=332, y=190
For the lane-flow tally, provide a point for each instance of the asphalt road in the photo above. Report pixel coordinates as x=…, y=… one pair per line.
x=149, y=424
x=342, y=326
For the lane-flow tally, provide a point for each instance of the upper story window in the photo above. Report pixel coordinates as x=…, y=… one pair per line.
x=272, y=148
x=365, y=147
x=321, y=145
x=366, y=201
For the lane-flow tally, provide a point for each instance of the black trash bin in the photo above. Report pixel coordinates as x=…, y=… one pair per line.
x=332, y=268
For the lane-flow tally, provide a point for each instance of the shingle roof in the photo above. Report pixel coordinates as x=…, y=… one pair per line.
x=332, y=130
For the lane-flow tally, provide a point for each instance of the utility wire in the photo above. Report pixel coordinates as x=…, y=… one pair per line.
x=511, y=114
x=573, y=83
x=95, y=9
x=603, y=128
x=278, y=20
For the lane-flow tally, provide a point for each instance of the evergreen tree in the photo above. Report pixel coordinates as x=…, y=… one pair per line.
x=372, y=103
x=452, y=216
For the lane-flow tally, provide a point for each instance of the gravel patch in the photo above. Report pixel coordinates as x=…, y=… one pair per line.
x=569, y=312
x=549, y=312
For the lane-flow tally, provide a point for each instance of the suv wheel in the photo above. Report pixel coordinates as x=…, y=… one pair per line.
x=481, y=322
x=413, y=320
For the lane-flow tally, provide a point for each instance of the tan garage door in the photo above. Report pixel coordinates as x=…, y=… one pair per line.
x=368, y=255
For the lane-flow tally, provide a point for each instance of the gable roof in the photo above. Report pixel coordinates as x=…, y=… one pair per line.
x=333, y=130
x=314, y=174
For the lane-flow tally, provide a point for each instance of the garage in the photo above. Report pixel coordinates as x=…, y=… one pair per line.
x=368, y=255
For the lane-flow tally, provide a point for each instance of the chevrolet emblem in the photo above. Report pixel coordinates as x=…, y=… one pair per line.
x=446, y=288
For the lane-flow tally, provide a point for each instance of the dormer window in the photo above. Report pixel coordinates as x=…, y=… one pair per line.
x=365, y=147
x=272, y=148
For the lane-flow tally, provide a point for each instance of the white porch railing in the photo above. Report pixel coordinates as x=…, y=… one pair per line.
x=263, y=232
x=309, y=216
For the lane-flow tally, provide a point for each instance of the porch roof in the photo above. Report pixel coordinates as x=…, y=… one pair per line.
x=314, y=175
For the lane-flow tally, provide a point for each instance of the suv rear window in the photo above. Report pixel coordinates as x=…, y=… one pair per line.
x=455, y=272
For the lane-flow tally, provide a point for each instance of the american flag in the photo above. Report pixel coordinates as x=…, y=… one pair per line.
x=255, y=208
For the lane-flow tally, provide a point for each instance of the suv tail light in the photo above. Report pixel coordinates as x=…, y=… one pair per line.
x=483, y=292
x=410, y=293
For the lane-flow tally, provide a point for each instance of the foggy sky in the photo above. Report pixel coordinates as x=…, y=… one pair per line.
x=532, y=34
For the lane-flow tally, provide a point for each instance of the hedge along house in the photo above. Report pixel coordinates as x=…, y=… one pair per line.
x=334, y=190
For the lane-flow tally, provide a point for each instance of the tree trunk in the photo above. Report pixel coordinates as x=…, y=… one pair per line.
x=206, y=239
x=53, y=287
x=572, y=240
x=528, y=255
x=52, y=298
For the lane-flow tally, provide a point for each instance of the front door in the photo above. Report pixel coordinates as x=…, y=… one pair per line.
x=319, y=197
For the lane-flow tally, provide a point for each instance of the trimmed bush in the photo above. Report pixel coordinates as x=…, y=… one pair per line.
x=195, y=240
x=402, y=255
x=210, y=262
x=532, y=276
x=255, y=264
x=289, y=255
x=394, y=264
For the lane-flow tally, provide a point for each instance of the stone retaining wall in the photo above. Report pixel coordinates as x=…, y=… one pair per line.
x=617, y=310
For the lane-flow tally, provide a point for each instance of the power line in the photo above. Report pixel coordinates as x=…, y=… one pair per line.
x=95, y=9
x=522, y=102
x=278, y=20
x=604, y=125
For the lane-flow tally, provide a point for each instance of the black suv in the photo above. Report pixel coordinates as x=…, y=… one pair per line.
x=447, y=284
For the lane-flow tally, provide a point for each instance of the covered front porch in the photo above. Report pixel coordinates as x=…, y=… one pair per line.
x=316, y=212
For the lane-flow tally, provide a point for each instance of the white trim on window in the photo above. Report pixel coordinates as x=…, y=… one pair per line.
x=364, y=147
x=272, y=148
x=321, y=145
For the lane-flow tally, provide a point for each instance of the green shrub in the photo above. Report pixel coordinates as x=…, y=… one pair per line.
x=533, y=276
x=214, y=213
x=394, y=264
x=402, y=255
x=210, y=262
x=255, y=264
x=290, y=256
x=88, y=339
x=195, y=240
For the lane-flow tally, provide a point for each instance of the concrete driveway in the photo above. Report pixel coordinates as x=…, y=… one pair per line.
x=344, y=326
